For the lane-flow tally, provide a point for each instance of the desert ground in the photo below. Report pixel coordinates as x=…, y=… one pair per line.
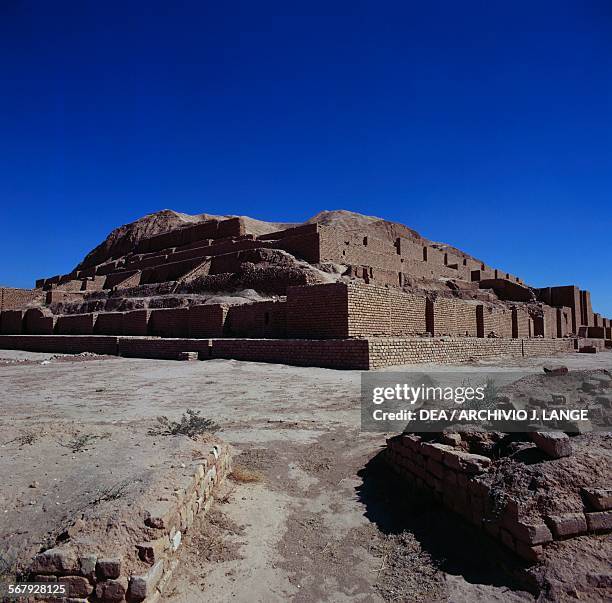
x=313, y=524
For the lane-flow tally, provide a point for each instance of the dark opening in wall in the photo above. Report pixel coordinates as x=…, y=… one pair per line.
x=424, y=254
x=365, y=241
x=267, y=318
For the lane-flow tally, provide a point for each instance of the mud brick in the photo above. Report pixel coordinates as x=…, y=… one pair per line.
x=528, y=533
x=567, y=525
x=558, y=399
x=161, y=514
x=78, y=586
x=44, y=578
x=435, y=468
x=111, y=591
x=152, y=551
x=528, y=553
x=600, y=521
x=466, y=462
x=435, y=451
x=87, y=565
x=143, y=586
x=599, y=499
x=55, y=561
x=108, y=568
x=554, y=443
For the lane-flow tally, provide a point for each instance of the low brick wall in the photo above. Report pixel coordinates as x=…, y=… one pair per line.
x=451, y=475
x=61, y=344
x=168, y=349
x=92, y=576
x=331, y=353
x=389, y=352
x=358, y=354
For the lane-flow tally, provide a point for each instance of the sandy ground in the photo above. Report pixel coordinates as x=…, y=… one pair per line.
x=314, y=527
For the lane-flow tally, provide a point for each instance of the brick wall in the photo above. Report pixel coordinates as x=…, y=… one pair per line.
x=169, y=322
x=331, y=353
x=169, y=349
x=136, y=322
x=15, y=299
x=11, y=322
x=76, y=324
x=36, y=322
x=522, y=323
x=390, y=352
x=207, y=321
x=318, y=311
x=109, y=323
x=61, y=344
x=494, y=320
x=453, y=317
x=375, y=310
x=261, y=319
x=453, y=477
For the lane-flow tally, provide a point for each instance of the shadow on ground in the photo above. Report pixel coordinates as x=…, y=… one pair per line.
x=455, y=546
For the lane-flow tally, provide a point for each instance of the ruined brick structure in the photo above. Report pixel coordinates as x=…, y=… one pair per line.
x=352, y=280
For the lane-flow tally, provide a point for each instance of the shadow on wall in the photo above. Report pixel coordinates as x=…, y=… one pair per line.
x=453, y=545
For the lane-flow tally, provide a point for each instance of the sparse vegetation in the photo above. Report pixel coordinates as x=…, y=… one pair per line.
x=191, y=425
x=25, y=439
x=245, y=475
x=81, y=442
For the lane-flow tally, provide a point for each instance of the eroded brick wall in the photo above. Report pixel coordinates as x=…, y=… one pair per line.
x=494, y=321
x=207, y=320
x=260, y=319
x=16, y=299
x=330, y=353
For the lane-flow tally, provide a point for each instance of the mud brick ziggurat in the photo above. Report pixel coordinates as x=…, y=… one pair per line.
x=341, y=290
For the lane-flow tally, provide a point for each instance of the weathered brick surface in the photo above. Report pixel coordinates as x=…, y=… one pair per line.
x=260, y=319
x=172, y=322
x=17, y=299
x=453, y=477
x=37, y=322
x=11, y=322
x=494, y=321
x=65, y=344
x=344, y=354
x=207, y=321
x=76, y=324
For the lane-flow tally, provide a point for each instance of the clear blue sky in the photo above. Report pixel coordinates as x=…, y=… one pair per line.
x=487, y=125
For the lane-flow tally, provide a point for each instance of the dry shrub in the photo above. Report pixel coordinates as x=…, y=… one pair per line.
x=245, y=475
